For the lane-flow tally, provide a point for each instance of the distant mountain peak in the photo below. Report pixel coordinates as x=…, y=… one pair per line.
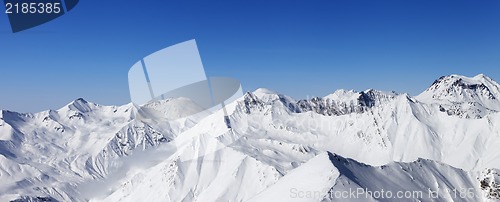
x=80, y=100
x=370, y=97
x=456, y=87
x=81, y=105
x=174, y=108
x=264, y=91
x=463, y=96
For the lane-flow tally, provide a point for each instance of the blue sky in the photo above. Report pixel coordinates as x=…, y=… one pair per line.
x=299, y=48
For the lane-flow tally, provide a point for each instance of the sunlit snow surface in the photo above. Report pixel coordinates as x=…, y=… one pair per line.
x=279, y=149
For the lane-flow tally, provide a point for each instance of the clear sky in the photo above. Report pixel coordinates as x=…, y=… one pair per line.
x=299, y=48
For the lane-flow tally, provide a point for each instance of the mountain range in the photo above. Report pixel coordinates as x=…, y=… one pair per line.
x=441, y=145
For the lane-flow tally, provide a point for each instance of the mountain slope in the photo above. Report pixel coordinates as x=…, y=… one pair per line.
x=329, y=177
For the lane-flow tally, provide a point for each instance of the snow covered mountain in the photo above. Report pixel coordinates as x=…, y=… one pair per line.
x=462, y=96
x=441, y=145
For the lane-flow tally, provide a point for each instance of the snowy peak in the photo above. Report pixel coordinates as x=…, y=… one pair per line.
x=260, y=92
x=173, y=108
x=458, y=88
x=262, y=99
x=269, y=96
x=81, y=105
x=371, y=98
x=345, y=102
x=368, y=95
x=342, y=94
x=467, y=97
